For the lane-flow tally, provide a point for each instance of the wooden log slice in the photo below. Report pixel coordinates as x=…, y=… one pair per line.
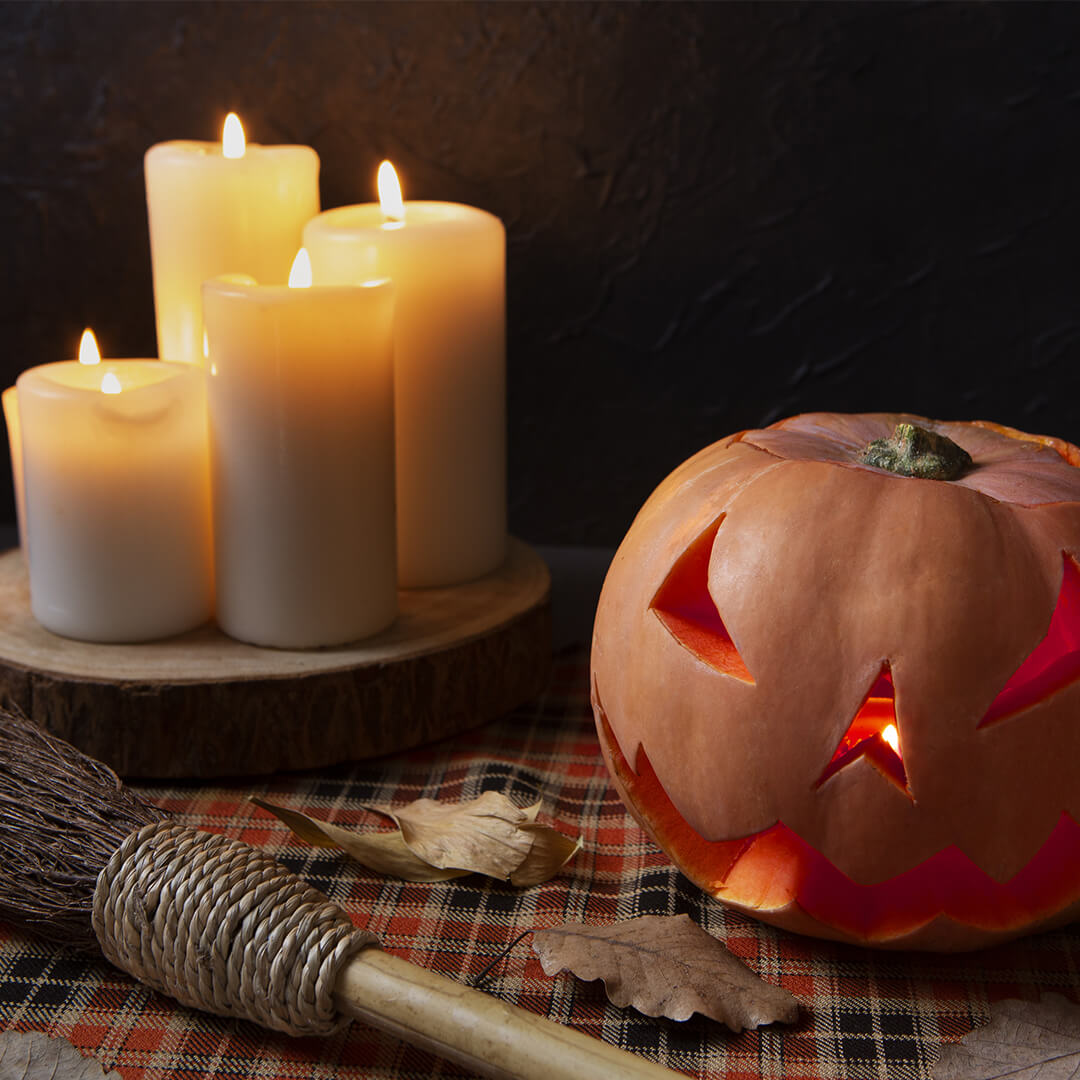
x=202, y=704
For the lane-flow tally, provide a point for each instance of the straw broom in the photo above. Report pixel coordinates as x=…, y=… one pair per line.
x=222, y=927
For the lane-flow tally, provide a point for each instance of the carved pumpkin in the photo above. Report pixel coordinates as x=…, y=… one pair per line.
x=847, y=701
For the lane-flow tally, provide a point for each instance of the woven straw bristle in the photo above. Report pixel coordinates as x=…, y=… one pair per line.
x=62, y=815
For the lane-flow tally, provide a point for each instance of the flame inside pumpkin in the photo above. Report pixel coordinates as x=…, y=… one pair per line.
x=873, y=734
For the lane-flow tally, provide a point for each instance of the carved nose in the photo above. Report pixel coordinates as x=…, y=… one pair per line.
x=873, y=734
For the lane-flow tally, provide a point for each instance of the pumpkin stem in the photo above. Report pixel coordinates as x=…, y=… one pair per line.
x=915, y=451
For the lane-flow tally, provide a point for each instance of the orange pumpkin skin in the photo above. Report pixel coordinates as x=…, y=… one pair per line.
x=775, y=601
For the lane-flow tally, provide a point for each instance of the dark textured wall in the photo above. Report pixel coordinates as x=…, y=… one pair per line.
x=717, y=214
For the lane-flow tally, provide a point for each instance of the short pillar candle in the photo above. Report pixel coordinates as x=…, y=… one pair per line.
x=301, y=408
x=117, y=498
x=447, y=263
x=221, y=208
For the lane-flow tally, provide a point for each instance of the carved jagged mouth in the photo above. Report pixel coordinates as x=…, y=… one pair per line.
x=776, y=868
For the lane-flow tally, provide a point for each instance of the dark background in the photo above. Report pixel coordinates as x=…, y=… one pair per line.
x=717, y=214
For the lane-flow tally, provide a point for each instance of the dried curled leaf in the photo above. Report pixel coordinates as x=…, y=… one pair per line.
x=1024, y=1040
x=436, y=841
x=383, y=852
x=33, y=1055
x=482, y=835
x=665, y=966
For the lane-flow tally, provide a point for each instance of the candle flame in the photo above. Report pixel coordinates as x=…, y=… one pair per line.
x=205, y=345
x=88, y=348
x=390, y=193
x=233, y=143
x=110, y=384
x=892, y=737
x=300, y=274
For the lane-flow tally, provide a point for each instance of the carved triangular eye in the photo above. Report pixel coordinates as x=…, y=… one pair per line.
x=873, y=734
x=684, y=606
x=1053, y=663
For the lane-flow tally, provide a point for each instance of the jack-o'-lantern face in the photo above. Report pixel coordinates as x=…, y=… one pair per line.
x=848, y=701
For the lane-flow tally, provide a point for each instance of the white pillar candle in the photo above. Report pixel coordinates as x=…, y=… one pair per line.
x=212, y=212
x=448, y=266
x=117, y=498
x=301, y=406
x=11, y=418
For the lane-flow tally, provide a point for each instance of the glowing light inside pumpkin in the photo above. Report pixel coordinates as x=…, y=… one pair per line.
x=88, y=348
x=390, y=200
x=233, y=143
x=873, y=734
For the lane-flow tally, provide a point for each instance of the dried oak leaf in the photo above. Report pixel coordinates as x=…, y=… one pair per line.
x=1024, y=1040
x=437, y=841
x=665, y=966
x=33, y=1055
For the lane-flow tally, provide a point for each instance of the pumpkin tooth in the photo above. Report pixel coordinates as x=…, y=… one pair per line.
x=649, y=802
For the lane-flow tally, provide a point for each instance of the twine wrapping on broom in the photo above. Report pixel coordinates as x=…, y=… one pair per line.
x=224, y=928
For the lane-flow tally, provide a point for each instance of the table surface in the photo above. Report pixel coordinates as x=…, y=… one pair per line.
x=864, y=1013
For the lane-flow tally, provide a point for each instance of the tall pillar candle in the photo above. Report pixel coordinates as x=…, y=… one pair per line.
x=219, y=209
x=117, y=498
x=301, y=407
x=447, y=263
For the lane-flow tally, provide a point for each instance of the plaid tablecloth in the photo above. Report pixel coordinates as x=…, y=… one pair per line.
x=865, y=1014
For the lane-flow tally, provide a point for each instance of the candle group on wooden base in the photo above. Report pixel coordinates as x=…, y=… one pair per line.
x=301, y=450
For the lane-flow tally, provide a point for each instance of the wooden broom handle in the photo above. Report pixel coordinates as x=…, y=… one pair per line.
x=473, y=1029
